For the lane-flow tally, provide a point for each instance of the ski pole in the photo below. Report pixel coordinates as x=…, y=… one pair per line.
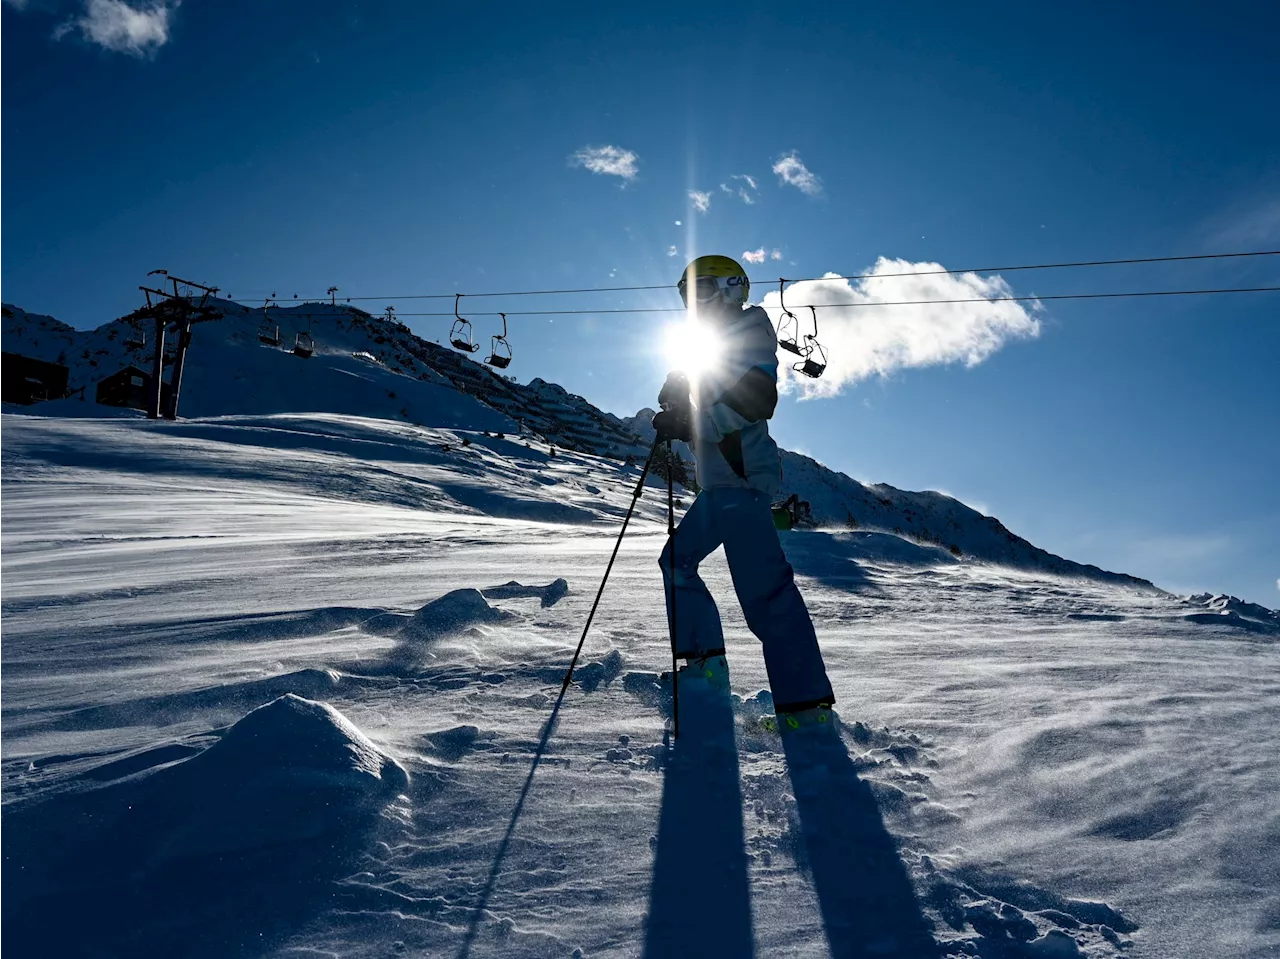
x=635, y=498
x=671, y=571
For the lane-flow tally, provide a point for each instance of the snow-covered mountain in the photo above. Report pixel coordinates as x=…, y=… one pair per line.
x=372, y=366
x=281, y=678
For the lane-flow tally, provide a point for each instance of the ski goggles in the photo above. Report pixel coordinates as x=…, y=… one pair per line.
x=708, y=289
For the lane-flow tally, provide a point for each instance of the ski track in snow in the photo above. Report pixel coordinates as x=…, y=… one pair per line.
x=1031, y=767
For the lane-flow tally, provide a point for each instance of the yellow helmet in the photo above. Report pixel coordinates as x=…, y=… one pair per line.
x=715, y=279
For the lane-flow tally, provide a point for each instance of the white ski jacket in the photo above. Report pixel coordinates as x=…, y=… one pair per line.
x=734, y=401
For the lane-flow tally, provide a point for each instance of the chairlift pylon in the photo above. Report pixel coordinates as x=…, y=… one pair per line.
x=813, y=355
x=500, y=349
x=460, y=332
x=788, y=324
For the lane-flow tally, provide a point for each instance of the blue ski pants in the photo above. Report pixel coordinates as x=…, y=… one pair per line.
x=741, y=521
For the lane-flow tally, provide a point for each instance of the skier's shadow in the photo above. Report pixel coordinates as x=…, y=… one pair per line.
x=699, y=904
x=869, y=907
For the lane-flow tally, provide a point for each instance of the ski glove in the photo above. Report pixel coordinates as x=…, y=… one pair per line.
x=674, y=425
x=675, y=392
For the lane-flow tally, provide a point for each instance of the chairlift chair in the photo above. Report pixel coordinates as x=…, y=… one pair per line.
x=460, y=333
x=500, y=349
x=788, y=325
x=813, y=355
x=268, y=334
x=303, y=345
x=136, y=338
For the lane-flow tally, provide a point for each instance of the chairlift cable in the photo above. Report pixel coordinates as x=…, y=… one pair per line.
x=1130, y=261
x=822, y=306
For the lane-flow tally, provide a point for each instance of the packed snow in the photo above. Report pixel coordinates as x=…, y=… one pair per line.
x=289, y=683
x=284, y=686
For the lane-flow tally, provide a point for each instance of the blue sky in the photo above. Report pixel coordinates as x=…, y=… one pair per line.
x=395, y=148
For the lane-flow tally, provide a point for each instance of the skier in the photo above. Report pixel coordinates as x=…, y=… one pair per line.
x=724, y=415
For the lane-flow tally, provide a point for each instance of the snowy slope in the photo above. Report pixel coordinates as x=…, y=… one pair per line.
x=370, y=366
x=269, y=689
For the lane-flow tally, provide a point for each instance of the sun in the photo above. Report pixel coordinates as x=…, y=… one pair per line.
x=691, y=346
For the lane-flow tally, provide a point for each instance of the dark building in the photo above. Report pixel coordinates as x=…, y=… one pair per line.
x=130, y=387
x=28, y=380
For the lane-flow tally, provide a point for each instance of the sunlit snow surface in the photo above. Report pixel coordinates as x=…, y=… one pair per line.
x=1067, y=767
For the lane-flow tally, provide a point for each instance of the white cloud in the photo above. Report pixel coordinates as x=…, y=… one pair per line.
x=761, y=254
x=1278, y=583
x=792, y=171
x=776, y=255
x=672, y=251
x=117, y=26
x=608, y=160
x=744, y=189
x=863, y=340
x=701, y=201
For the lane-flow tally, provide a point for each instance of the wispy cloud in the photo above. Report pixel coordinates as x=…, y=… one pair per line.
x=608, y=160
x=792, y=171
x=744, y=187
x=761, y=254
x=1248, y=227
x=701, y=201
x=117, y=26
x=672, y=251
x=863, y=340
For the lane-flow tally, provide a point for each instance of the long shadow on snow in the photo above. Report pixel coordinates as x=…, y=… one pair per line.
x=699, y=901
x=482, y=904
x=869, y=907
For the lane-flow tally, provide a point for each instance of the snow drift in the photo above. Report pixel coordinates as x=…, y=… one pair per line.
x=223, y=844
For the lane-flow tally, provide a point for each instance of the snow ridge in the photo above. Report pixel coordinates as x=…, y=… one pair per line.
x=374, y=366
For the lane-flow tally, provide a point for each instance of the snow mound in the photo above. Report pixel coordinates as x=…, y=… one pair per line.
x=550, y=594
x=451, y=613
x=222, y=845
x=291, y=770
x=1222, y=610
x=320, y=744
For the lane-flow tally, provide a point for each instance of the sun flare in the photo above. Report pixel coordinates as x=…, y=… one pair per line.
x=691, y=346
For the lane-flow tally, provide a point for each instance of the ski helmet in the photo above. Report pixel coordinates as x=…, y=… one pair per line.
x=715, y=280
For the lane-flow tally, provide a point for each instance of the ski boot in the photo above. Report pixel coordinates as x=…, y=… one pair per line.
x=820, y=719
x=706, y=673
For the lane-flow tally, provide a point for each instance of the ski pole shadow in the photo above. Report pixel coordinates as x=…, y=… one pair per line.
x=869, y=907
x=482, y=905
x=699, y=902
